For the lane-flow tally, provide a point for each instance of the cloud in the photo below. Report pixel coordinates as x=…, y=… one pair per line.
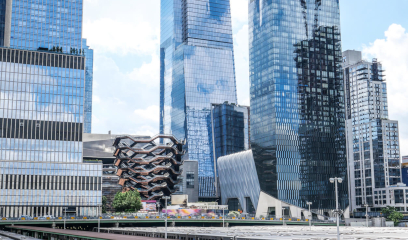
x=148, y=73
x=122, y=26
x=241, y=52
x=392, y=51
x=239, y=12
x=126, y=105
x=151, y=113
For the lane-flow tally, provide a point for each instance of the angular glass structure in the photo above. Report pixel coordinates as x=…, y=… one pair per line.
x=297, y=100
x=42, y=85
x=197, y=69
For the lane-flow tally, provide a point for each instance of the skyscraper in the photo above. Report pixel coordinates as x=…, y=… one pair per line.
x=197, y=69
x=42, y=88
x=372, y=139
x=297, y=101
x=88, y=52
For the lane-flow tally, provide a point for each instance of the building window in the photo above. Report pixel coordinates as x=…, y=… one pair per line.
x=190, y=179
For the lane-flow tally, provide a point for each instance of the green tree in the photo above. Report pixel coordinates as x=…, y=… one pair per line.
x=104, y=203
x=392, y=214
x=127, y=201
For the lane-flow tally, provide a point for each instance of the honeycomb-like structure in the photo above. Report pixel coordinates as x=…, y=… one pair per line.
x=149, y=166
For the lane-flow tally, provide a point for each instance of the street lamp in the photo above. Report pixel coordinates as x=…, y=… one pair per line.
x=166, y=198
x=310, y=216
x=337, y=211
x=366, y=206
x=99, y=219
x=65, y=210
x=283, y=216
x=158, y=208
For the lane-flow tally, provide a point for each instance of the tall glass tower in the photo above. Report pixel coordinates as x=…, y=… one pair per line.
x=197, y=69
x=297, y=100
x=42, y=86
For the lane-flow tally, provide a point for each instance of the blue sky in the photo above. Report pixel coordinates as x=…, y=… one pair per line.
x=125, y=35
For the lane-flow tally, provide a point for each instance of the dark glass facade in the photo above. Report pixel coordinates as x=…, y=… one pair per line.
x=197, y=69
x=230, y=129
x=405, y=175
x=297, y=100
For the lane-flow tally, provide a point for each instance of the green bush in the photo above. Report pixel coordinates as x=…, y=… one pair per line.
x=127, y=201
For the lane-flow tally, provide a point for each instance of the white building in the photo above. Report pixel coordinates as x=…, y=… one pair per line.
x=373, y=150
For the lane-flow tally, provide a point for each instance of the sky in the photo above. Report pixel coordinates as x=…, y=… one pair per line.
x=125, y=36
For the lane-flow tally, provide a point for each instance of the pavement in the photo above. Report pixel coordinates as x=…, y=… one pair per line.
x=74, y=233
x=279, y=232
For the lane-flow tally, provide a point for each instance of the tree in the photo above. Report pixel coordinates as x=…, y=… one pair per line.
x=104, y=203
x=392, y=214
x=127, y=201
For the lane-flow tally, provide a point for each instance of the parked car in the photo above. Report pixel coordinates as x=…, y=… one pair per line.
x=26, y=217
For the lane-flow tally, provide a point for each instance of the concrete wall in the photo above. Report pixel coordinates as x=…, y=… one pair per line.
x=190, y=166
x=266, y=201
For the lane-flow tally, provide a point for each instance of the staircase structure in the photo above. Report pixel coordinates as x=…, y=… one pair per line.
x=148, y=165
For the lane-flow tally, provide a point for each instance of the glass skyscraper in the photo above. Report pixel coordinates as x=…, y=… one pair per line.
x=197, y=69
x=88, y=52
x=297, y=100
x=42, y=88
x=372, y=139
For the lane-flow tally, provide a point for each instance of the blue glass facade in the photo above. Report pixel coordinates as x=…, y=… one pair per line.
x=197, y=69
x=46, y=24
x=43, y=78
x=88, y=87
x=297, y=100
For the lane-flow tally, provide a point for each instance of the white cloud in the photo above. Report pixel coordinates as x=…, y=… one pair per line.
x=239, y=12
x=148, y=73
x=95, y=99
x=392, y=51
x=151, y=113
x=241, y=51
x=122, y=26
x=124, y=104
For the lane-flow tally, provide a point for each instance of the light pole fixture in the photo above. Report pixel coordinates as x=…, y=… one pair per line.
x=283, y=216
x=158, y=208
x=65, y=211
x=366, y=206
x=337, y=211
x=310, y=216
x=166, y=198
x=99, y=218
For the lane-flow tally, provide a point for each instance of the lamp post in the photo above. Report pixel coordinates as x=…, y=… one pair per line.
x=310, y=216
x=99, y=219
x=65, y=211
x=366, y=206
x=283, y=216
x=166, y=198
x=158, y=208
x=337, y=211
x=223, y=214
